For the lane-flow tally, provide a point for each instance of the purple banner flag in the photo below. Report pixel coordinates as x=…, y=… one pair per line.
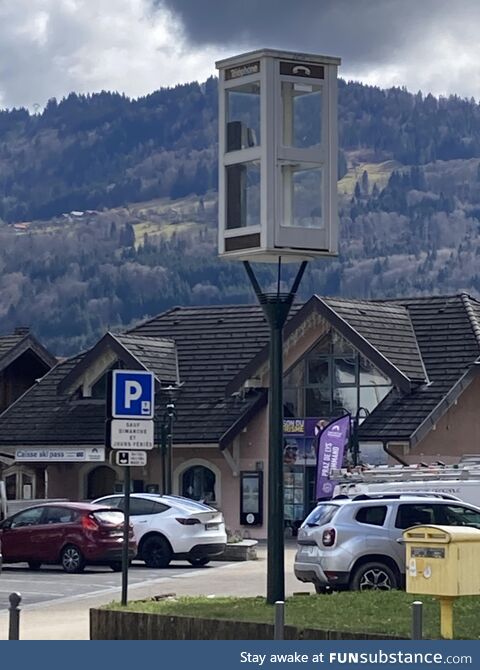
x=332, y=442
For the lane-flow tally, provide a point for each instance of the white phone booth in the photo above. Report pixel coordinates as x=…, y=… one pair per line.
x=277, y=156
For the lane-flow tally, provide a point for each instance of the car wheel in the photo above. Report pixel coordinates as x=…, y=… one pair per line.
x=116, y=566
x=156, y=552
x=34, y=565
x=72, y=559
x=199, y=561
x=374, y=577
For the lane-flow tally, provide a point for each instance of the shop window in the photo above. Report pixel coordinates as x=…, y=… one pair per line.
x=331, y=379
x=100, y=482
x=317, y=402
x=198, y=483
x=20, y=483
x=11, y=486
x=345, y=371
x=27, y=486
x=370, y=375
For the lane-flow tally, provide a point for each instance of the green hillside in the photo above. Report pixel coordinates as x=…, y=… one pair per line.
x=108, y=207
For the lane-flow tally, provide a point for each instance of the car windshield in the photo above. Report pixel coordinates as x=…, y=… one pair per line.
x=321, y=515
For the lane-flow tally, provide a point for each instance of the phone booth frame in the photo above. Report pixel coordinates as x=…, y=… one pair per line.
x=266, y=220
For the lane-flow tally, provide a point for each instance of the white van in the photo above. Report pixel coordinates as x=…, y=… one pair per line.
x=461, y=481
x=468, y=491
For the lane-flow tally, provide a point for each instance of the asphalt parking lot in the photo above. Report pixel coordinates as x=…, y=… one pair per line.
x=51, y=583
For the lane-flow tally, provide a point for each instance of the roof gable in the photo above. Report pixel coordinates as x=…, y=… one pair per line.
x=387, y=334
x=158, y=356
x=14, y=346
x=389, y=331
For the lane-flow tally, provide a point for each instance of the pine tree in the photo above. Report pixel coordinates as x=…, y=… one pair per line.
x=365, y=185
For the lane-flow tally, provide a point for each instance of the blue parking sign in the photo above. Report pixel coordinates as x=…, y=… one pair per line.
x=132, y=394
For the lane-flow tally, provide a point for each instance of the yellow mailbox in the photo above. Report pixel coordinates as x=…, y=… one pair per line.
x=443, y=561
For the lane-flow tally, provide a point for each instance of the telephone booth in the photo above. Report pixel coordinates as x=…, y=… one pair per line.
x=278, y=156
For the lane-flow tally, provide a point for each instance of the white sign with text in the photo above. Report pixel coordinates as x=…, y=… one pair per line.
x=131, y=434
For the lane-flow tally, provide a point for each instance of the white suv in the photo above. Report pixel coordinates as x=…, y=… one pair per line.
x=172, y=527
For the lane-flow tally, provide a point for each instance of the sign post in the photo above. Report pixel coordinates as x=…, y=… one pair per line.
x=130, y=412
x=126, y=532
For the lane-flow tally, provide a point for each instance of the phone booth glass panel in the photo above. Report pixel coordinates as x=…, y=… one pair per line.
x=302, y=192
x=243, y=194
x=302, y=114
x=243, y=116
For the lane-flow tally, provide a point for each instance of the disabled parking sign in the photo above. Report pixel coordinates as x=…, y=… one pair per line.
x=132, y=394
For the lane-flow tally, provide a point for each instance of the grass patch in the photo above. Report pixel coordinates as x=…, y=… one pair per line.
x=378, y=173
x=381, y=613
x=166, y=230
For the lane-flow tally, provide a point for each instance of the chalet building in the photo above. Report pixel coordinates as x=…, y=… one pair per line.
x=407, y=369
x=23, y=360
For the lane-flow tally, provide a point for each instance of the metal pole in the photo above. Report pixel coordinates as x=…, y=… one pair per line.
x=417, y=620
x=279, y=625
x=169, y=464
x=276, y=308
x=126, y=532
x=164, y=456
x=276, y=314
x=14, y=616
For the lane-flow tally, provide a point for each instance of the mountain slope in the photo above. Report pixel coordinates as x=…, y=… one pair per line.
x=118, y=208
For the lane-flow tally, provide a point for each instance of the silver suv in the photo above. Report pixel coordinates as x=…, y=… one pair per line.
x=357, y=543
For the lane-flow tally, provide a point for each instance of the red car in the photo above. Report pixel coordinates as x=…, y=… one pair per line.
x=71, y=534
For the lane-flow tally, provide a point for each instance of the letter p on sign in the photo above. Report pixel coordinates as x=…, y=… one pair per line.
x=133, y=391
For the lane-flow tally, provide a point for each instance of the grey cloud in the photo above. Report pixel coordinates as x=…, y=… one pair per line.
x=362, y=32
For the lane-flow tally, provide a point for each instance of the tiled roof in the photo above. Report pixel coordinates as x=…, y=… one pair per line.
x=448, y=340
x=13, y=346
x=156, y=355
x=213, y=344
x=7, y=342
x=444, y=333
x=388, y=328
x=42, y=417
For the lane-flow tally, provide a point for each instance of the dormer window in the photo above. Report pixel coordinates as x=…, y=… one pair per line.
x=97, y=390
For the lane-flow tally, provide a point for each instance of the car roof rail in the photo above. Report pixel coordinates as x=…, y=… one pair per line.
x=396, y=495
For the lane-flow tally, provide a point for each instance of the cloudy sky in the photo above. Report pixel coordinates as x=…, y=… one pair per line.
x=51, y=47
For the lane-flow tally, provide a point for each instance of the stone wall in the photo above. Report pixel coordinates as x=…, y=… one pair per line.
x=120, y=625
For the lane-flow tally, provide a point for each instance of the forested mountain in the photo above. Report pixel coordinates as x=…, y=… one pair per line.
x=104, y=150
x=109, y=207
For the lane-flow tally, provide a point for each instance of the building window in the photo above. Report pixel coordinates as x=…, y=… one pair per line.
x=331, y=379
x=20, y=483
x=99, y=389
x=198, y=483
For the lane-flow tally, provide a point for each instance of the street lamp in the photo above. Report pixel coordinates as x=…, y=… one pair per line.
x=277, y=202
x=166, y=436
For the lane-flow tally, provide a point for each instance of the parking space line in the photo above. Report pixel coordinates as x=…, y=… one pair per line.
x=117, y=589
x=35, y=593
